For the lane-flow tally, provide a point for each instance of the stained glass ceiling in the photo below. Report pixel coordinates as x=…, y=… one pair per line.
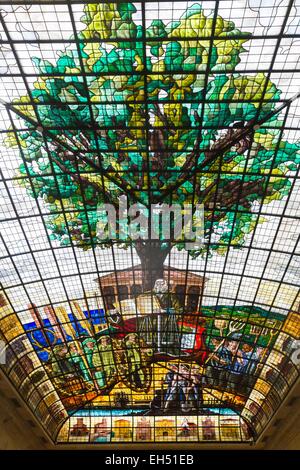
x=130, y=334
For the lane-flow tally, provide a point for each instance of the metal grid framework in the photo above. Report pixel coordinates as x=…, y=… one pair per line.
x=134, y=101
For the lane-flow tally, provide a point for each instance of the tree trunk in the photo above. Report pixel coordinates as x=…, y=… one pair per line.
x=152, y=258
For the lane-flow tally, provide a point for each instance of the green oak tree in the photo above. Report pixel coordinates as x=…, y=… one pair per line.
x=161, y=116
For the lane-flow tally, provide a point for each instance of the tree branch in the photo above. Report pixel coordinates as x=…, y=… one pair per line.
x=81, y=180
x=239, y=137
x=236, y=192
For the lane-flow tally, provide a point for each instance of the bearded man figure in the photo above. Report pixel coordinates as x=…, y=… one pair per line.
x=166, y=298
x=159, y=328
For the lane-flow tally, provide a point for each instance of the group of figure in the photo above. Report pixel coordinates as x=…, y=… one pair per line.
x=100, y=360
x=103, y=362
x=95, y=361
x=90, y=360
x=184, y=387
x=232, y=365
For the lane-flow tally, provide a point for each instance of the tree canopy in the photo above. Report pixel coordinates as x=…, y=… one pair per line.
x=147, y=111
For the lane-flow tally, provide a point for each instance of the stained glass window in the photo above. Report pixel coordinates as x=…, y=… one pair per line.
x=149, y=226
